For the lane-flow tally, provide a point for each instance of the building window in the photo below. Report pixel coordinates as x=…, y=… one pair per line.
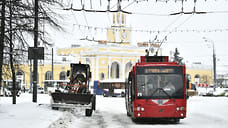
x=88, y=61
x=20, y=72
x=64, y=59
x=115, y=70
x=197, y=78
x=62, y=75
x=127, y=69
x=102, y=76
x=48, y=75
x=20, y=76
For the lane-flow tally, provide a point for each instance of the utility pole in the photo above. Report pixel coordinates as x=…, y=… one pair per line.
x=35, y=61
x=214, y=65
x=52, y=65
x=214, y=60
x=31, y=75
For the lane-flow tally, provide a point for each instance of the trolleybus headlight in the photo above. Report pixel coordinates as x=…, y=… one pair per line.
x=139, y=114
x=142, y=109
x=138, y=108
x=181, y=108
x=178, y=108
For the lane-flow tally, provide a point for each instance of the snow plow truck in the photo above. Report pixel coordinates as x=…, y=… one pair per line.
x=76, y=93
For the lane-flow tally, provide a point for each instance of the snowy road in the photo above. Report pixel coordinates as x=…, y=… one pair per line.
x=208, y=112
x=202, y=112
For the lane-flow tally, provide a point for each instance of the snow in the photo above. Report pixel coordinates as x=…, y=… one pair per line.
x=204, y=112
x=207, y=111
x=216, y=92
x=26, y=114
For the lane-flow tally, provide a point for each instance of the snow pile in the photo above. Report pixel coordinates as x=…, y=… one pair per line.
x=207, y=112
x=211, y=91
x=26, y=114
x=63, y=122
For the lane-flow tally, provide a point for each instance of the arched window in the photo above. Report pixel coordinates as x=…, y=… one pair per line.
x=102, y=76
x=48, y=75
x=189, y=76
x=115, y=70
x=63, y=75
x=197, y=78
x=127, y=69
x=204, y=79
x=20, y=76
x=20, y=72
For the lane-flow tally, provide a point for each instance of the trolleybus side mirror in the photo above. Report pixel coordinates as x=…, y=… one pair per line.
x=129, y=77
x=68, y=73
x=90, y=75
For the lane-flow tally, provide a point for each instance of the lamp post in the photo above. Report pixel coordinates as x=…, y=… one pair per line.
x=214, y=59
x=35, y=61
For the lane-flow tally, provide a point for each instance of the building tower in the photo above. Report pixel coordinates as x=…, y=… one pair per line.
x=118, y=32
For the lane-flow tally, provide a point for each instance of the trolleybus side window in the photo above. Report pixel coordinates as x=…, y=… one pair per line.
x=133, y=87
x=128, y=90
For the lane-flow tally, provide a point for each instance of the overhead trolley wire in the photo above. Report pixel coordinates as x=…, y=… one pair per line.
x=165, y=38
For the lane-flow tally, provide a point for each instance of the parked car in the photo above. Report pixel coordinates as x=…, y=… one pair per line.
x=226, y=93
x=9, y=88
x=40, y=90
x=219, y=92
x=9, y=92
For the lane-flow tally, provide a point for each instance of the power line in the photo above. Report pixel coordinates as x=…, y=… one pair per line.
x=80, y=26
x=129, y=4
x=120, y=9
x=142, y=13
x=175, y=20
x=102, y=41
x=165, y=38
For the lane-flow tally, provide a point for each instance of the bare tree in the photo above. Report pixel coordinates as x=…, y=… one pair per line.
x=2, y=32
x=17, y=19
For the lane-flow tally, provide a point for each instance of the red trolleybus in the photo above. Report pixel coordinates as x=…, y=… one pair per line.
x=156, y=89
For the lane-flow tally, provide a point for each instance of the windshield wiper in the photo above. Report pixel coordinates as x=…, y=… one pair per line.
x=154, y=92
x=166, y=93
x=162, y=91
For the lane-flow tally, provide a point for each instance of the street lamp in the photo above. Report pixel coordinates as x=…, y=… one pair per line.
x=214, y=59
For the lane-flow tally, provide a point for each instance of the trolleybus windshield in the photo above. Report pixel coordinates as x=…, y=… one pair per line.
x=159, y=82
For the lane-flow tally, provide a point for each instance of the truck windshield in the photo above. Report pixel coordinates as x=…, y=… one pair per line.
x=160, y=85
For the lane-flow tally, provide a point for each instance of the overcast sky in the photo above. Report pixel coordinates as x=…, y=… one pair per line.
x=184, y=32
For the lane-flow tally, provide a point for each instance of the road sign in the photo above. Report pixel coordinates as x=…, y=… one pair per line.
x=37, y=52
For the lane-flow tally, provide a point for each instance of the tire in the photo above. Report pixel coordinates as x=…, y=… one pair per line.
x=126, y=105
x=94, y=102
x=105, y=95
x=176, y=120
x=88, y=112
x=55, y=108
x=122, y=94
x=134, y=119
x=128, y=114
